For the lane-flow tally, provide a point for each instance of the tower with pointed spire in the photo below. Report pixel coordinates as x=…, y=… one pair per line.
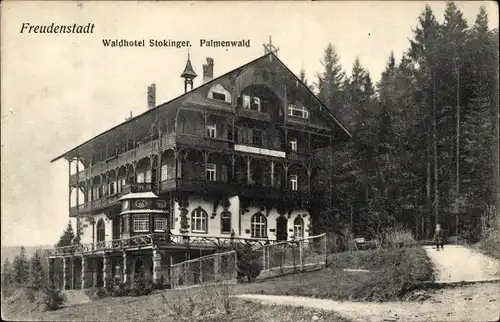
x=188, y=74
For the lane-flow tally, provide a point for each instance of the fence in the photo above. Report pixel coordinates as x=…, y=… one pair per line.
x=208, y=269
x=293, y=256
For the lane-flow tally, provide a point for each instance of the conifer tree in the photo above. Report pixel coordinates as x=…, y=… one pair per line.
x=21, y=267
x=37, y=274
x=67, y=237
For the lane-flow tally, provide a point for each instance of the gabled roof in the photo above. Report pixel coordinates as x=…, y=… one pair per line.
x=209, y=83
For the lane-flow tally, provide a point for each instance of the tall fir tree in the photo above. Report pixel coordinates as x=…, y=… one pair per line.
x=68, y=236
x=37, y=273
x=21, y=267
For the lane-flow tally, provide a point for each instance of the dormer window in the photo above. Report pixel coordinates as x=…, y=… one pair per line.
x=219, y=93
x=211, y=130
x=293, y=144
x=298, y=111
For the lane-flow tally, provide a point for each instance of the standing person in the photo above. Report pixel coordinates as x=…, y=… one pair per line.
x=438, y=237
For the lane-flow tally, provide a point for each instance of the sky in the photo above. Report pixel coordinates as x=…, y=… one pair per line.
x=59, y=90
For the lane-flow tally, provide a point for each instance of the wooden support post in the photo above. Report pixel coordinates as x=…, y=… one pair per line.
x=156, y=266
x=125, y=268
x=65, y=273
x=106, y=270
x=301, y=254
x=84, y=276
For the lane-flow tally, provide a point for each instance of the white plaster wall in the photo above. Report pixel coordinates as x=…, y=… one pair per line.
x=246, y=220
x=87, y=228
x=214, y=225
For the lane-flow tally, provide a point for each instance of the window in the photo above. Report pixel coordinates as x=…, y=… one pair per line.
x=219, y=96
x=140, y=177
x=298, y=111
x=294, y=182
x=210, y=171
x=225, y=222
x=141, y=223
x=160, y=223
x=257, y=137
x=298, y=227
x=112, y=188
x=259, y=226
x=211, y=131
x=148, y=177
x=199, y=221
x=219, y=93
x=101, y=231
x=126, y=224
x=293, y=144
x=255, y=104
x=164, y=172
x=121, y=183
x=246, y=102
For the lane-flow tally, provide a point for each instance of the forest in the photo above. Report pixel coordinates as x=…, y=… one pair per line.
x=425, y=138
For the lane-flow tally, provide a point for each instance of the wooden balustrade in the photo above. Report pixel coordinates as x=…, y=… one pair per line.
x=157, y=239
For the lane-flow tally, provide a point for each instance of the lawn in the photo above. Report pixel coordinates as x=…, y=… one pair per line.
x=392, y=274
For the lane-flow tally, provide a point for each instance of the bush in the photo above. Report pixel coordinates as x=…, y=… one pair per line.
x=141, y=285
x=53, y=299
x=249, y=263
x=398, y=237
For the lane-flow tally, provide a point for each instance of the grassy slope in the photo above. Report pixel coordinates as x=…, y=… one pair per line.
x=393, y=273
x=153, y=307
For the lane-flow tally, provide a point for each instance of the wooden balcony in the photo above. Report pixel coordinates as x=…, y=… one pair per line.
x=89, y=206
x=256, y=191
x=137, y=187
x=252, y=114
x=203, y=142
x=148, y=241
x=114, y=162
x=298, y=156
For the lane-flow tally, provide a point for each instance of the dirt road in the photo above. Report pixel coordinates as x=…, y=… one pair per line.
x=460, y=263
x=475, y=302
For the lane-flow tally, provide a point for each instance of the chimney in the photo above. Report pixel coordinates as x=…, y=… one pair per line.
x=151, y=96
x=208, y=70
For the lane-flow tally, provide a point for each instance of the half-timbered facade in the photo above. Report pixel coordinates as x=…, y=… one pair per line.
x=235, y=159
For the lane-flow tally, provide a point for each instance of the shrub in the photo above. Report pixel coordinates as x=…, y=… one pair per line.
x=141, y=285
x=53, y=299
x=249, y=263
x=398, y=237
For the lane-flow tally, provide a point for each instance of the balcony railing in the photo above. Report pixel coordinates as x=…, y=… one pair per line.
x=140, y=152
x=157, y=239
x=252, y=114
x=137, y=187
x=104, y=202
x=204, y=142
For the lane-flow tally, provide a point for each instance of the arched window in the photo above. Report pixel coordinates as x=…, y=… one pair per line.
x=101, y=231
x=298, y=227
x=199, y=221
x=259, y=225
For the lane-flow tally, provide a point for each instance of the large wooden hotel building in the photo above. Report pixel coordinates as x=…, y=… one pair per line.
x=237, y=158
